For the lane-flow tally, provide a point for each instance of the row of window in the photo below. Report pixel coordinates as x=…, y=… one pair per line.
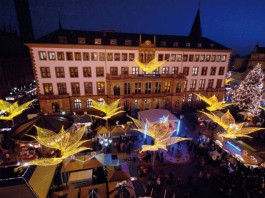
x=192, y=57
x=149, y=87
x=73, y=71
x=86, y=56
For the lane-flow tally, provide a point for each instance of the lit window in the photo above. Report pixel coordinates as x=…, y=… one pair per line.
x=89, y=103
x=173, y=57
x=42, y=55
x=47, y=87
x=197, y=58
x=138, y=88
x=223, y=58
x=98, y=41
x=185, y=58
x=179, y=57
x=100, y=88
x=125, y=70
x=193, y=83
x=195, y=71
x=148, y=87
x=175, y=70
x=94, y=56
x=167, y=87
x=202, y=57
x=213, y=58
x=51, y=55
x=131, y=57
x=207, y=58
x=78, y=104
x=135, y=70
x=201, y=83
x=165, y=70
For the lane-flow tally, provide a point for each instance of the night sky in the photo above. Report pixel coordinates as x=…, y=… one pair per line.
x=237, y=24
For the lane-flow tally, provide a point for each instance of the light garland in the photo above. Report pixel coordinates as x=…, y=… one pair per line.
x=9, y=110
x=233, y=130
x=213, y=102
x=109, y=110
x=67, y=143
x=160, y=132
x=249, y=94
x=151, y=66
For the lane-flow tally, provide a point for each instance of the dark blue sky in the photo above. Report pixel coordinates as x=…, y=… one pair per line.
x=237, y=24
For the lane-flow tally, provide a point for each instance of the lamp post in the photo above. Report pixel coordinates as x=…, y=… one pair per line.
x=105, y=141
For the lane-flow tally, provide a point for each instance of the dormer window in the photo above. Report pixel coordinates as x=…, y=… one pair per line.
x=81, y=40
x=175, y=44
x=211, y=45
x=163, y=43
x=113, y=41
x=187, y=44
x=98, y=41
x=62, y=39
x=199, y=45
x=128, y=42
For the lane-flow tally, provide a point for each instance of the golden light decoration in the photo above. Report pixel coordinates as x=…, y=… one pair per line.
x=67, y=143
x=228, y=80
x=151, y=66
x=233, y=130
x=263, y=108
x=13, y=110
x=109, y=110
x=160, y=132
x=213, y=102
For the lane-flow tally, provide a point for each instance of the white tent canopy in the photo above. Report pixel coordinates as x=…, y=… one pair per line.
x=154, y=115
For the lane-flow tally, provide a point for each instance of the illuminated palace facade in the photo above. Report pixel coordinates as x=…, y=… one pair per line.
x=72, y=67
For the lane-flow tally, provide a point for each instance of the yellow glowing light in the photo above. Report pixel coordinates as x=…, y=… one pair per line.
x=263, y=108
x=232, y=129
x=109, y=110
x=67, y=143
x=151, y=66
x=228, y=80
x=213, y=102
x=161, y=132
x=13, y=110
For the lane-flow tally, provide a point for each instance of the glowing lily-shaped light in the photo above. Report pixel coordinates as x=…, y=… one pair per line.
x=263, y=108
x=232, y=129
x=67, y=143
x=228, y=80
x=151, y=66
x=160, y=132
x=13, y=110
x=109, y=110
x=213, y=102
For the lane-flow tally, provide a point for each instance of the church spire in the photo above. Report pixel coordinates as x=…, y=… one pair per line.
x=196, y=30
x=60, y=23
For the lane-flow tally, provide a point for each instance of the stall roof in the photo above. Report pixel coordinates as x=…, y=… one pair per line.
x=153, y=115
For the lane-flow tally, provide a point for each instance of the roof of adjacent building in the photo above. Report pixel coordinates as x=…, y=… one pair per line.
x=163, y=41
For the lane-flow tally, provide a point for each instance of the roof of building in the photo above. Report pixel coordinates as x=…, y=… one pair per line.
x=63, y=36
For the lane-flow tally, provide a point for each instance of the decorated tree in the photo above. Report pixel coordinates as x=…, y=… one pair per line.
x=248, y=95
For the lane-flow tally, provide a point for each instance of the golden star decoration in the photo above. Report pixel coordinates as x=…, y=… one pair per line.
x=67, y=143
x=160, y=132
x=151, y=66
x=213, y=102
x=13, y=110
x=109, y=110
x=233, y=130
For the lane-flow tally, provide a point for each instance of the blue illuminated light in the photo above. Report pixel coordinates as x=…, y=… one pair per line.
x=234, y=146
x=145, y=130
x=178, y=127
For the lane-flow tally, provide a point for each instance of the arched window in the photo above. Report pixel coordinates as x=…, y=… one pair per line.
x=101, y=101
x=78, y=104
x=89, y=103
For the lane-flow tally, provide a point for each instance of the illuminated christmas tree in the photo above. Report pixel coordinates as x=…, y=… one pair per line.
x=249, y=93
